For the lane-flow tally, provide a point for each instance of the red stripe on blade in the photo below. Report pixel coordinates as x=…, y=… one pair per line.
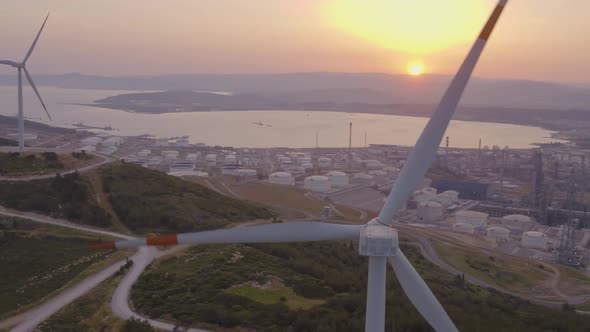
x=162, y=240
x=489, y=27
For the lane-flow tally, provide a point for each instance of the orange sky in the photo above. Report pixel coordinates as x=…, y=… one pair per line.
x=538, y=40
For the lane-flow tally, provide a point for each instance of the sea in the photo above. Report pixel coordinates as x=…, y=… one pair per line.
x=260, y=129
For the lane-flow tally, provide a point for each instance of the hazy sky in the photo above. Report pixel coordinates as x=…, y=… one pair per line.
x=535, y=39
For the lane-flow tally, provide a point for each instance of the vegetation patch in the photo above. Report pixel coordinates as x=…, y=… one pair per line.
x=512, y=273
x=146, y=199
x=290, y=201
x=17, y=164
x=36, y=264
x=195, y=289
x=7, y=142
x=272, y=292
x=69, y=196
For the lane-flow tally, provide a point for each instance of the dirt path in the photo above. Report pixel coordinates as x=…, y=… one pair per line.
x=103, y=201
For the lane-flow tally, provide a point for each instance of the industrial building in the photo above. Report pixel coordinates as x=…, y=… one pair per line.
x=466, y=190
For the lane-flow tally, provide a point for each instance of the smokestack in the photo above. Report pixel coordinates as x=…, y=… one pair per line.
x=350, y=145
x=479, y=151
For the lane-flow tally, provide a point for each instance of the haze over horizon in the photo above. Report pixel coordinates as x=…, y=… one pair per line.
x=536, y=41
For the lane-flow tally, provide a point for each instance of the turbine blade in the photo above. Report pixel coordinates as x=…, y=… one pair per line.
x=283, y=232
x=424, y=152
x=8, y=62
x=36, y=91
x=35, y=41
x=420, y=295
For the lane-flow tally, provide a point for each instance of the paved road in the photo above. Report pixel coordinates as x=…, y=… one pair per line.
x=105, y=160
x=431, y=255
x=120, y=300
x=32, y=318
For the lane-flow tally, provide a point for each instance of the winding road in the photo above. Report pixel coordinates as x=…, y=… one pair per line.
x=145, y=255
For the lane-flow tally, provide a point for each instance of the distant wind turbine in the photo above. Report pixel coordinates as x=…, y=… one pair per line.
x=377, y=239
x=21, y=66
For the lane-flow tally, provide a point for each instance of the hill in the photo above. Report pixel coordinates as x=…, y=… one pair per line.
x=147, y=200
x=341, y=87
x=22, y=164
x=140, y=199
x=318, y=287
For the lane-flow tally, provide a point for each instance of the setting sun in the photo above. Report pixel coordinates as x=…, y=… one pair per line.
x=415, y=69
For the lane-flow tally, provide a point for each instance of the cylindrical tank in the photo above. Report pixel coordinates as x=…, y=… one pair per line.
x=284, y=178
x=462, y=227
x=430, y=211
x=230, y=158
x=337, y=178
x=363, y=178
x=246, y=172
x=536, y=240
x=422, y=195
x=324, y=162
x=498, y=233
x=211, y=158
x=517, y=218
x=88, y=148
x=372, y=164
x=317, y=183
x=474, y=218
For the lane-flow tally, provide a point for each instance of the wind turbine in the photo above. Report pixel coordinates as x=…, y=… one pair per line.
x=377, y=239
x=21, y=66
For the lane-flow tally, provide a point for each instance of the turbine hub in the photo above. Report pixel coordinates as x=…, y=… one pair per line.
x=378, y=240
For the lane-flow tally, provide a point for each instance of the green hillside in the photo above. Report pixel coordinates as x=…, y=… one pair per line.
x=69, y=197
x=147, y=199
x=141, y=199
x=318, y=287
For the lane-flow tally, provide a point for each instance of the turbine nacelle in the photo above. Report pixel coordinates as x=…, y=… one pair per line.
x=378, y=240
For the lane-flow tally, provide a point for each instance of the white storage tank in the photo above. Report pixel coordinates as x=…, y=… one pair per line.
x=246, y=172
x=307, y=166
x=167, y=153
x=363, y=178
x=430, y=190
x=462, y=227
x=477, y=219
x=191, y=157
x=144, y=153
x=536, y=240
x=430, y=211
x=88, y=148
x=446, y=198
x=211, y=159
x=317, y=183
x=284, y=178
x=230, y=159
x=91, y=141
x=377, y=173
x=423, y=195
x=498, y=233
x=521, y=218
x=337, y=178
x=324, y=162
x=373, y=164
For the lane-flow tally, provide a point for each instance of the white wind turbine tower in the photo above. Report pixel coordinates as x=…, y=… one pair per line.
x=21, y=66
x=378, y=239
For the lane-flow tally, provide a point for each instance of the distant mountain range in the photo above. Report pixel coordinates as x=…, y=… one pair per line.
x=344, y=88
